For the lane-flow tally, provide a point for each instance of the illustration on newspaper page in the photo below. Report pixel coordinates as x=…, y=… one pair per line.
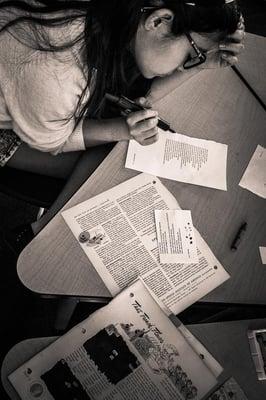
x=129, y=349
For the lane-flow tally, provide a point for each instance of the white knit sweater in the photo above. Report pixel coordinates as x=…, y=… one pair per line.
x=39, y=91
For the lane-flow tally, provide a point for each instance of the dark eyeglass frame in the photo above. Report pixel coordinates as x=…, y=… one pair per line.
x=200, y=57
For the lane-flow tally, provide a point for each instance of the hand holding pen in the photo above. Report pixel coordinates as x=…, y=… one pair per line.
x=142, y=122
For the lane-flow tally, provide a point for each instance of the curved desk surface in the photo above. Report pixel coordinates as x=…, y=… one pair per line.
x=214, y=105
x=226, y=341
x=252, y=66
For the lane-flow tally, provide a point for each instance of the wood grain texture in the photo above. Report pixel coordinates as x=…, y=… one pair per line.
x=226, y=341
x=253, y=63
x=211, y=105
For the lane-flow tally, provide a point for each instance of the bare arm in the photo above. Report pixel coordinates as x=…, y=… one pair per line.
x=140, y=125
x=97, y=132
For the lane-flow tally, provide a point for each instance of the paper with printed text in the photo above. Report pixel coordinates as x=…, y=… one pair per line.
x=181, y=158
x=130, y=344
x=176, y=237
x=116, y=230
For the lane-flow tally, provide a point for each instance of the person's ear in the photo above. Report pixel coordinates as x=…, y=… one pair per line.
x=161, y=19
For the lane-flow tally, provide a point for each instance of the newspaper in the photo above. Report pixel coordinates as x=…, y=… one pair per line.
x=181, y=158
x=116, y=229
x=129, y=350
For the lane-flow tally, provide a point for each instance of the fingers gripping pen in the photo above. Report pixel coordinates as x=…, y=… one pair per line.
x=129, y=106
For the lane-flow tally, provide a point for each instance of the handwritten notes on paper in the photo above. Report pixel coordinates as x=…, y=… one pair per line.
x=254, y=178
x=181, y=158
x=176, y=237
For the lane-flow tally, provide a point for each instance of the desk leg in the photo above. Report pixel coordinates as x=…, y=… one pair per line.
x=65, y=310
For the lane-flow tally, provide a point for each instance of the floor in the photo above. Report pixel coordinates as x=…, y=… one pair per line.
x=24, y=315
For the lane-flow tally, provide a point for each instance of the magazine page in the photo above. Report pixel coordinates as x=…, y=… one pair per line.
x=129, y=350
x=117, y=231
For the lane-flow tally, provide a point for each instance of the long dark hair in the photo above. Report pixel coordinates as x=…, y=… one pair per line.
x=109, y=27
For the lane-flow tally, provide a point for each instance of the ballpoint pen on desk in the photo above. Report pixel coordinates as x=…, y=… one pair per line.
x=238, y=236
x=129, y=106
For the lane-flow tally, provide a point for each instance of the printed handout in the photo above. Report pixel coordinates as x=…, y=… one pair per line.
x=176, y=237
x=254, y=178
x=128, y=349
x=116, y=230
x=181, y=158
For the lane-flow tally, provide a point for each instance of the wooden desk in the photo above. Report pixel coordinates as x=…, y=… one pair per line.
x=226, y=341
x=19, y=354
x=214, y=105
x=253, y=63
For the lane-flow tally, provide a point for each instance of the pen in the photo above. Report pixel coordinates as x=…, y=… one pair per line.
x=238, y=236
x=129, y=106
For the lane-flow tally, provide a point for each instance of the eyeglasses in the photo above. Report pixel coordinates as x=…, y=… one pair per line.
x=200, y=57
x=191, y=62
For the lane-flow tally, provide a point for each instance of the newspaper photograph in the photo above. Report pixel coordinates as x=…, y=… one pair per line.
x=116, y=229
x=129, y=349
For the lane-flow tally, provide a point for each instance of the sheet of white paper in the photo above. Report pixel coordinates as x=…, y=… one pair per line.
x=181, y=158
x=117, y=232
x=176, y=237
x=158, y=361
x=254, y=178
x=263, y=254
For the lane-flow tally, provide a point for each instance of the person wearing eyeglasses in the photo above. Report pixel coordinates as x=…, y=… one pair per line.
x=58, y=60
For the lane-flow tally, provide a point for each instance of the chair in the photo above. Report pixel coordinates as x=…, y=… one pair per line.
x=35, y=189
x=42, y=191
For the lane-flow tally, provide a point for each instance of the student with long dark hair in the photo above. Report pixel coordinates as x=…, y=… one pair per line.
x=58, y=60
